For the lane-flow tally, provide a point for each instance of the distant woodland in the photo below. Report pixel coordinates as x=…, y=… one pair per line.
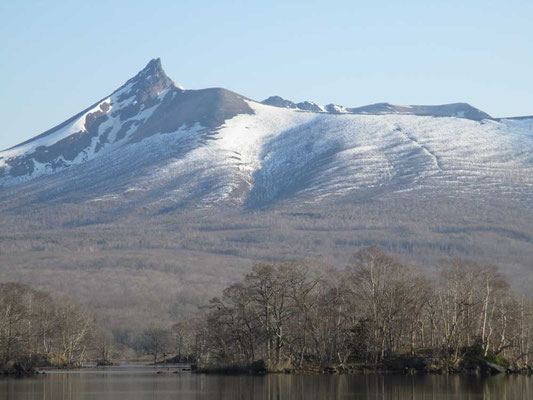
x=150, y=267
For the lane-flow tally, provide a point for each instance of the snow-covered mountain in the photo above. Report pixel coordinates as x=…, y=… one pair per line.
x=153, y=143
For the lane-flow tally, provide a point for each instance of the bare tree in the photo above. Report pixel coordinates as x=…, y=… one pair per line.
x=34, y=325
x=73, y=327
x=155, y=341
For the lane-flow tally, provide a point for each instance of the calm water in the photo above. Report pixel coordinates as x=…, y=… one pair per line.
x=144, y=383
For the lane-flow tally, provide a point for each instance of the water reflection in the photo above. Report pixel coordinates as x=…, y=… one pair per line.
x=136, y=385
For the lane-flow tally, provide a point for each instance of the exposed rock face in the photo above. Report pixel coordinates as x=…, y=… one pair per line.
x=483, y=367
x=148, y=83
x=309, y=106
x=277, y=101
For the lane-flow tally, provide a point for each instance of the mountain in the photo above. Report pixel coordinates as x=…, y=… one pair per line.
x=153, y=142
x=170, y=190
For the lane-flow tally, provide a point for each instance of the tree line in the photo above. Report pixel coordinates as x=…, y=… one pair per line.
x=38, y=329
x=290, y=315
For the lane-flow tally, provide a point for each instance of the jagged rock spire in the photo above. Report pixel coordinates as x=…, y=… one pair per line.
x=150, y=81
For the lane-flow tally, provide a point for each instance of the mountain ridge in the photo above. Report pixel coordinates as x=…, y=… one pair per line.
x=458, y=110
x=154, y=68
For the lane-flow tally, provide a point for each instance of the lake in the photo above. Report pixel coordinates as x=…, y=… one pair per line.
x=135, y=383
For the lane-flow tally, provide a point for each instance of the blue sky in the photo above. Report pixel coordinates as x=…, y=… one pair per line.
x=58, y=57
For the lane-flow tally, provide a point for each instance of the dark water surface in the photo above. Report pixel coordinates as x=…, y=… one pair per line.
x=145, y=383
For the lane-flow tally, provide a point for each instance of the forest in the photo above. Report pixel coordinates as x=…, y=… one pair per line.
x=144, y=269
x=376, y=313
x=37, y=329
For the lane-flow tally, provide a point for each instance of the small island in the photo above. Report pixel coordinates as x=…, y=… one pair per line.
x=376, y=316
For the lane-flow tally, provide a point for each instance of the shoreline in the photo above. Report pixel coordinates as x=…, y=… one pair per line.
x=297, y=371
x=400, y=366
x=309, y=371
x=480, y=368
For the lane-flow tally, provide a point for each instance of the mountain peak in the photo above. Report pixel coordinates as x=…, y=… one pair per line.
x=150, y=81
x=154, y=64
x=153, y=68
x=278, y=101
